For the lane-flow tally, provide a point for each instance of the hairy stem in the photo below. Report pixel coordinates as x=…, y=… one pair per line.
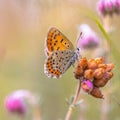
x=69, y=113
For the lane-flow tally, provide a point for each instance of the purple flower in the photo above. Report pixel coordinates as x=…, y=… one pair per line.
x=88, y=39
x=117, y=6
x=87, y=86
x=15, y=102
x=22, y=94
x=15, y=105
x=108, y=7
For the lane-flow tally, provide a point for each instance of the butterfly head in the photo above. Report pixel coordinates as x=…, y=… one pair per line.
x=78, y=52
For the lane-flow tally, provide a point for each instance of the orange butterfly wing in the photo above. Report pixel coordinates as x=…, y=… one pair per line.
x=59, y=51
x=57, y=41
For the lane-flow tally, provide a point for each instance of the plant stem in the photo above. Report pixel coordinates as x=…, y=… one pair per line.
x=105, y=107
x=36, y=113
x=69, y=113
x=107, y=21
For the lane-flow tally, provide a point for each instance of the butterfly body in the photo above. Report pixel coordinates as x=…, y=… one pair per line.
x=60, y=54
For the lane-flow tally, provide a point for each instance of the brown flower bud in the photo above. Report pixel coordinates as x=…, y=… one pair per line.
x=98, y=73
x=103, y=81
x=88, y=74
x=100, y=82
x=104, y=66
x=96, y=93
x=99, y=60
x=83, y=62
x=109, y=67
x=78, y=72
x=92, y=64
x=108, y=75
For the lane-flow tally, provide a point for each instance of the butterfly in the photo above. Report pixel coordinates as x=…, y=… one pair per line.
x=60, y=53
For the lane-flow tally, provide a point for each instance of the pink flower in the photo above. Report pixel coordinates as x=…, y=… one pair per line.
x=87, y=86
x=15, y=105
x=16, y=101
x=88, y=39
x=117, y=6
x=108, y=7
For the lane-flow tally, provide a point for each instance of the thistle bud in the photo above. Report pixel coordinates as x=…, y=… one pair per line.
x=108, y=7
x=100, y=82
x=87, y=86
x=15, y=105
x=108, y=75
x=78, y=72
x=103, y=81
x=88, y=74
x=98, y=73
x=96, y=93
x=99, y=60
x=83, y=62
x=109, y=67
x=92, y=64
x=104, y=66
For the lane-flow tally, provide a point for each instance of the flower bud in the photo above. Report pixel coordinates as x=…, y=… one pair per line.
x=109, y=67
x=99, y=60
x=87, y=86
x=83, y=62
x=96, y=93
x=117, y=6
x=78, y=72
x=108, y=75
x=104, y=66
x=15, y=105
x=103, y=81
x=100, y=82
x=92, y=64
x=88, y=74
x=98, y=73
x=108, y=7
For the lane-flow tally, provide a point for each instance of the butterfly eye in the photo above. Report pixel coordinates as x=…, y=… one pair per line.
x=78, y=53
x=78, y=49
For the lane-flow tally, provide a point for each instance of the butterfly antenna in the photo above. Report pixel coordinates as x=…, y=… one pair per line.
x=78, y=47
x=80, y=37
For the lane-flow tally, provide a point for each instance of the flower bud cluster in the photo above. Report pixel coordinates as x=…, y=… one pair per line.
x=94, y=73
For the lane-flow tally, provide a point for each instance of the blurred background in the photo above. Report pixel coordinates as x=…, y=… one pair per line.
x=23, y=28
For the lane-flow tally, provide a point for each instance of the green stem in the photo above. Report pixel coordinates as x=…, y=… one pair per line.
x=114, y=50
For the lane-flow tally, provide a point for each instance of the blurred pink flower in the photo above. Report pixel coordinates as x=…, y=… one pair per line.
x=87, y=86
x=108, y=7
x=88, y=39
x=16, y=101
x=15, y=105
